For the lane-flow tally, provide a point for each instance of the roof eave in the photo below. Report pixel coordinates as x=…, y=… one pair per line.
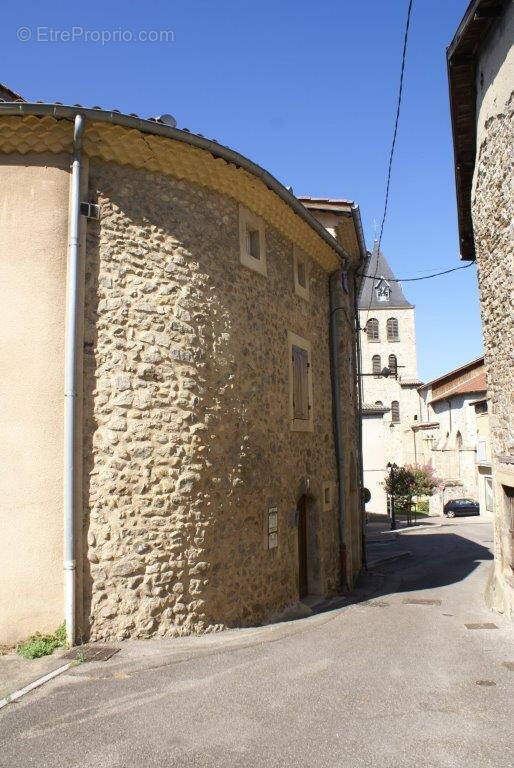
x=461, y=57
x=68, y=112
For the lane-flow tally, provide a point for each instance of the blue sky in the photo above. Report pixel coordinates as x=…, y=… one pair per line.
x=307, y=90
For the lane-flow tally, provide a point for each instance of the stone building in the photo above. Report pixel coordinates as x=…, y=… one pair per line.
x=207, y=441
x=390, y=404
x=446, y=435
x=481, y=76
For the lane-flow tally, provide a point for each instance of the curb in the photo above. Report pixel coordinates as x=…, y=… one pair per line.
x=31, y=686
x=389, y=559
x=414, y=528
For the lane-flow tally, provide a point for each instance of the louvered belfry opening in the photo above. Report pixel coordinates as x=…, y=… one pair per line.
x=372, y=329
x=392, y=329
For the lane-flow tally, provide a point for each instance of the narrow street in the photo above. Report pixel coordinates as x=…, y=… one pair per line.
x=384, y=682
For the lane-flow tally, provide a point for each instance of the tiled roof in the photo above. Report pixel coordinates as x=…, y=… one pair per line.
x=326, y=203
x=476, y=384
x=160, y=127
x=460, y=369
x=378, y=266
x=7, y=94
x=369, y=408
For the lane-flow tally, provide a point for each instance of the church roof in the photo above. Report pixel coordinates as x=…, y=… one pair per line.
x=378, y=266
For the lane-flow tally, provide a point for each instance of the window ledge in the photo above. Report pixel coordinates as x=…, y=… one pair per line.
x=302, y=425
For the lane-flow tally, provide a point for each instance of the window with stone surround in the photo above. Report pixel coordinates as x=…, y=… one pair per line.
x=395, y=411
x=300, y=383
x=327, y=496
x=252, y=241
x=392, y=329
x=300, y=273
x=372, y=329
x=376, y=365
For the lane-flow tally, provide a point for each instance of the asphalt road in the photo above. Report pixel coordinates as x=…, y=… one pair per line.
x=384, y=682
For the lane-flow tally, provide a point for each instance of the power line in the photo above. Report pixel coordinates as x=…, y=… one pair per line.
x=414, y=279
x=391, y=154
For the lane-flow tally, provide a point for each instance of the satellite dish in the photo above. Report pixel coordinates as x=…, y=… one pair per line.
x=168, y=120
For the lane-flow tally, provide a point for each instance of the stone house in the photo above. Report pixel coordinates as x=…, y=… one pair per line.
x=446, y=436
x=202, y=469
x=481, y=76
x=390, y=404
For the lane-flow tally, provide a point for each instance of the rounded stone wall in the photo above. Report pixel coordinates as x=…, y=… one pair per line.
x=187, y=439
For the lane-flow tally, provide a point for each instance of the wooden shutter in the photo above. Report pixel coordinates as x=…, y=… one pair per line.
x=300, y=383
x=393, y=365
x=376, y=365
x=395, y=411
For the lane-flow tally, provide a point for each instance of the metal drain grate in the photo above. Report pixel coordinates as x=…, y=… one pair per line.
x=91, y=652
x=421, y=601
x=378, y=604
x=481, y=625
x=509, y=665
x=488, y=683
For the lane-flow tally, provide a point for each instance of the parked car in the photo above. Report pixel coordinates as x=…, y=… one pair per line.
x=461, y=507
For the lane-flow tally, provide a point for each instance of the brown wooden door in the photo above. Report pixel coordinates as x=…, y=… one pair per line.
x=303, y=587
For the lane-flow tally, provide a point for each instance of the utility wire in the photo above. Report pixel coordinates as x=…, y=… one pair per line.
x=425, y=277
x=391, y=154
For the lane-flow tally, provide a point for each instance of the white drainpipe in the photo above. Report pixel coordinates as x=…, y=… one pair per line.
x=70, y=383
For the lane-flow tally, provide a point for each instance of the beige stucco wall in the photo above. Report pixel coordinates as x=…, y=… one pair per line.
x=186, y=412
x=493, y=210
x=375, y=450
x=33, y=224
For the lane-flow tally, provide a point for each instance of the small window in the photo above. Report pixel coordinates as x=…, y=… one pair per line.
x=301, y=273
x=395, y=411
x=393, y=364
x=252, y=241
x=379, y=403
x=392, y=329
x=253, y=245
x=300, y=360
x=376, y=365
x=300, y=384
x=327, y=496
x=372, y=329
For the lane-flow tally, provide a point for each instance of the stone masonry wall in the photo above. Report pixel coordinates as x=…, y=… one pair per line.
x=186, y=422
x=492, y=219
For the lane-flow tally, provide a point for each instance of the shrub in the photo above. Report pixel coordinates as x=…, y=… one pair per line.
x=43, y=645
x=411, y=481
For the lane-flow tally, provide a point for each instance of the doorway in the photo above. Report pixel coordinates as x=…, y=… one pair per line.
x=303, y=585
